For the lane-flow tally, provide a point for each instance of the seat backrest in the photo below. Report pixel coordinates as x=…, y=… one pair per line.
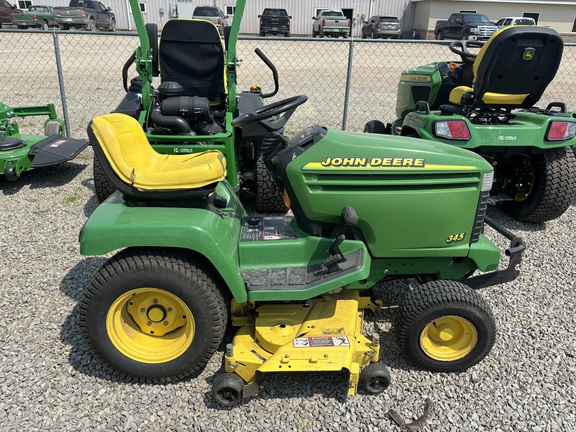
x=518, y=62
x=191, y=53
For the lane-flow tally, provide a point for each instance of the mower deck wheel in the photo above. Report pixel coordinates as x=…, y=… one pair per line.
x=153, y=314
x=227, y=389
x=445, y=326
x=374, y=378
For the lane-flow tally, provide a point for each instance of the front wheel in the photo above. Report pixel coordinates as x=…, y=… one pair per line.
x=112, y=25
x=546, y=188
x=372, y=34
x=156, y=315
x=440, y=36
x=445, y=326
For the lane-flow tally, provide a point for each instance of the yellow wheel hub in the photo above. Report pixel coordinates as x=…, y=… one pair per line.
x=449, y=338
x=150, y=325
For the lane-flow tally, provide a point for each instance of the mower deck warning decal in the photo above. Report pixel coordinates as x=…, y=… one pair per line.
x=321, y=341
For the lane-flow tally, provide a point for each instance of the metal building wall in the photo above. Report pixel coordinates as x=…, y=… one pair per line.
x=159, y=11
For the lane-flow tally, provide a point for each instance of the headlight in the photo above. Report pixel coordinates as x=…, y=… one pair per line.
x=474, y=30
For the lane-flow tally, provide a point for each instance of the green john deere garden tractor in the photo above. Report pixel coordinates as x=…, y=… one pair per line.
x=192, y=107
x=486, y=103
x=366, y=208
x=20, y=152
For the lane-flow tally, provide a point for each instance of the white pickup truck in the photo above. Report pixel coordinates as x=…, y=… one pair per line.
x=330, y=22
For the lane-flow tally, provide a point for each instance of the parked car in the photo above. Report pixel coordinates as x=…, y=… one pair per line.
x=6, y=10
x=381, y=27
x=86, y=14
x=275, y=21
x=331, y=22
x=473, y=26
x=212, y=14
x=511, y=21
x=39, y=16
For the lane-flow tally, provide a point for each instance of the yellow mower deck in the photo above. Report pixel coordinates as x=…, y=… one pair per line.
x=320, y=335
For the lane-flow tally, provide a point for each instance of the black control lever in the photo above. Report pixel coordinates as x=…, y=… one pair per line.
x=348, y=217
x=336, y=255
x=274, y=73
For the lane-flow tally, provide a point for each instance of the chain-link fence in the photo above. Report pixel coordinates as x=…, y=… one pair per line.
x=348, y=82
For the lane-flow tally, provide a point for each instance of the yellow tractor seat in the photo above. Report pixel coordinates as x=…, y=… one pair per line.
x=137, y=170
x=512, y=69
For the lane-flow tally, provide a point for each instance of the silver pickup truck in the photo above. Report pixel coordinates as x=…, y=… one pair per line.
x=330, y=22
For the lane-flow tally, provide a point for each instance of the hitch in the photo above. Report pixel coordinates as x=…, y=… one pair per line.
x=514, y=251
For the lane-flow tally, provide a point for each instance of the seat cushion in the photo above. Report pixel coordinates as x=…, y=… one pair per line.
x=137, y=164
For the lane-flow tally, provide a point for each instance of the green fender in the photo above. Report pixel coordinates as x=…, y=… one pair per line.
x=116, y=224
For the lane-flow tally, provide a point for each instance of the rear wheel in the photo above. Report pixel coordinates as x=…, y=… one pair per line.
x=269, y=198
x=375, y=126
x=373, y=34
x=445, y=326
x=440, y=35
x=547, y=187
x=44, y=25
x=102, y=184
x=112, y=25
x=91, y=26
x=155, y=315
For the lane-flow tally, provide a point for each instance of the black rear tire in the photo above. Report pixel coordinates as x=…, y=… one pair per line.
x=154, y=314
x=445, y=326
x=552, y=187
x=269, y=197
x=375, y=127
x=102, y=184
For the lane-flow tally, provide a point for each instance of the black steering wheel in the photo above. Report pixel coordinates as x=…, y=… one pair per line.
x=287, y=106
x=460, y=47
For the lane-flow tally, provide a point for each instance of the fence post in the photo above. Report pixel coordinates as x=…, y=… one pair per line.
x=348, y=82
x=61, y=82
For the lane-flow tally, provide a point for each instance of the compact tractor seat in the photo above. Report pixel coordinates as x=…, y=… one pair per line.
x=137, y=170
x=191, y=53
x=512, y=69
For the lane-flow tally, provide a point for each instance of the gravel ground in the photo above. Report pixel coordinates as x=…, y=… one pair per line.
x=49, y=380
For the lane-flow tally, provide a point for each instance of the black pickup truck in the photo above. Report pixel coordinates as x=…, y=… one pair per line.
x=275, y=21
x=471, y=26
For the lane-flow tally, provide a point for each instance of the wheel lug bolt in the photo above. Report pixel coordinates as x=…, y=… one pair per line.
x=154, y=301
x=169, y=309
x=165, y=323
x=149, y=323
x=142, y=310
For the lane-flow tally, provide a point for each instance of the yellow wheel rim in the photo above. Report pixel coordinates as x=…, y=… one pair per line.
x=150, y=325
x=448, y=338
x=526, y=189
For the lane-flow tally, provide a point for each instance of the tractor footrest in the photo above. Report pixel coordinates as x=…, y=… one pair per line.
x=55, y=150
x=299, y=278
